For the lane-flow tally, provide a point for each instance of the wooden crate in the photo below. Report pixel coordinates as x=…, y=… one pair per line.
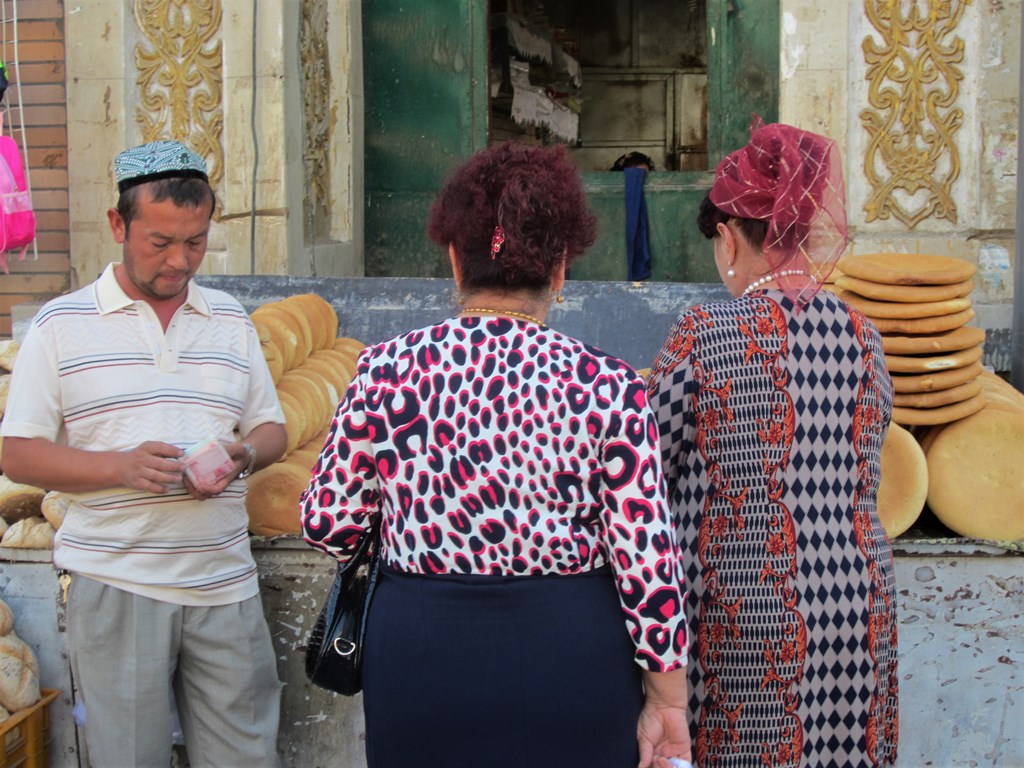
x=26, y=735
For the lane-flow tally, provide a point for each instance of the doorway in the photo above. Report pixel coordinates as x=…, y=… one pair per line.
x=676, y=79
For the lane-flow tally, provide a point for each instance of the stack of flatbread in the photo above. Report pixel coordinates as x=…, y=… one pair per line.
x=921, y=305
x=311, y=368
x=903, y=483
x=975, y=486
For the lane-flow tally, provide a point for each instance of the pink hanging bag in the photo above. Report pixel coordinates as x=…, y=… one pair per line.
x=17, y=219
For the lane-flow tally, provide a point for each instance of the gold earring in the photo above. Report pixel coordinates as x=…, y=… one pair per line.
x=559, y=298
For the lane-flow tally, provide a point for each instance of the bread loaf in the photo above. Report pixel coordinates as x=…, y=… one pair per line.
x=8, y=352
x=294, y=420
x=55, y=507
x=903, y=487
x=975, y=486
x=19, y=674
x=272, y=500
x=6, y=618
x=322, y=318
x=283, y=330
x=18, y=501
x=907, y=268
x=30, y=533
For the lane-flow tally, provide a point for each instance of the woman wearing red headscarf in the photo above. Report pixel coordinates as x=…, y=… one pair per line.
x=772, y=410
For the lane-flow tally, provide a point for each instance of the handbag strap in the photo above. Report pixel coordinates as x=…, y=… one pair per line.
x=371, y=538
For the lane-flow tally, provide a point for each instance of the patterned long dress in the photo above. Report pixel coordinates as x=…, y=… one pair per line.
x=772, y=423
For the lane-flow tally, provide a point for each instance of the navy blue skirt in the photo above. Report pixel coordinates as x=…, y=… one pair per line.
x=499, y=672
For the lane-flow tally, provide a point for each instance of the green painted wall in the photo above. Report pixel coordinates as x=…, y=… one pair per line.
x=425, y=81
x=743, y=70
x=426, y=111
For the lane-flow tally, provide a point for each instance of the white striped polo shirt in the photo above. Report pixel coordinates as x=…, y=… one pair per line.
x=96, y=371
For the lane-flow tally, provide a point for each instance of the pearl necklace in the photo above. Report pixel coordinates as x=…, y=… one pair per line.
x=773, y=276
x=504, y=312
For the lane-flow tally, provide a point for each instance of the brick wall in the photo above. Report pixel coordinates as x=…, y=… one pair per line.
x=39, y=31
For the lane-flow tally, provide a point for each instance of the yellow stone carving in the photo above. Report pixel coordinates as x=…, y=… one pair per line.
x=314, y=57
x=179, y=75
x=912, y=159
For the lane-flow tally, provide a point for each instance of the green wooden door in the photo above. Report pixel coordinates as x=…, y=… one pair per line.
x=426, y=110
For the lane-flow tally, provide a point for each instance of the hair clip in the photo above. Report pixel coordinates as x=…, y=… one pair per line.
x=497, y=240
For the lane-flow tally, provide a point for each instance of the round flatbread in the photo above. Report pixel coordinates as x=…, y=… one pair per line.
x=975, y=486
x=331, y=370
x=272, y=500
x=928, y=382
x=303, y=329
x=344, y=366
x=923, y=325
x=327, y=397
x=904, y=293
x=938, y=397
x=900, y=310
x=964, y=337
x=925, y=435
x=323, y=320
x=327, y=375
x=944, y=414
x=294, y=419
x=903, y=486
x=926, y=363
x=283, y=340
x=349, y=346
x=907, y=268
x=999, y=392
x=306, y=455
x=311, y=399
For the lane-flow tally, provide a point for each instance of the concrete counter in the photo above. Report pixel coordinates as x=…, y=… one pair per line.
x=961, y=603
x=961, y=625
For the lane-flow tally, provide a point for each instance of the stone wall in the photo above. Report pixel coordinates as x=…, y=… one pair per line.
x=926, y=112
x=269, y=94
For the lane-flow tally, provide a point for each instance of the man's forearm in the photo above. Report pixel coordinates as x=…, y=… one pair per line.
x=56, y=467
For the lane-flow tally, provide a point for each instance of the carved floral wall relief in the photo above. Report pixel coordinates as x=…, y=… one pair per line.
x=179, y=66
x=914, y=78
x=318, y=117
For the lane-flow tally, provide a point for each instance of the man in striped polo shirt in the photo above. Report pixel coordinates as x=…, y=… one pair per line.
x=113, y=383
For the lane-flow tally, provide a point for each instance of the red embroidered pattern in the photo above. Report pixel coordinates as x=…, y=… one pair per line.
x=791, y=573
x=868, y=419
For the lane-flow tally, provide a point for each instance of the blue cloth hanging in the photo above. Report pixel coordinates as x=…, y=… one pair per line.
x=638, y=249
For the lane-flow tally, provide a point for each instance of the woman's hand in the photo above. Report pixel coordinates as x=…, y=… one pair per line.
x=662, y=730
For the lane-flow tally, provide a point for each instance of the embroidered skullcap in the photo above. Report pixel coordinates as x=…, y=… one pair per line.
x=792, y=179
x=157, y=160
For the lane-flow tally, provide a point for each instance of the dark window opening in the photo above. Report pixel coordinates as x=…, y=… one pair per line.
x=604, y=77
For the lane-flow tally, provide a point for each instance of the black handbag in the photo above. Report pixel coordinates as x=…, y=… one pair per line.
x=334, y=653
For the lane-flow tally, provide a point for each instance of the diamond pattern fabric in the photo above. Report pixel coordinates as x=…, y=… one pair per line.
x=772, y=422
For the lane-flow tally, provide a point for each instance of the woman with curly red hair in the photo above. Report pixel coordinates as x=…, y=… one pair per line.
x=528, y=611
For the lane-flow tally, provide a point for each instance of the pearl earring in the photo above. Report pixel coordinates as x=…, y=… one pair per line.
x=731, y=272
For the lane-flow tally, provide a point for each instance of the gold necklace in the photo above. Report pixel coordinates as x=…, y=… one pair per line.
x=508, y=312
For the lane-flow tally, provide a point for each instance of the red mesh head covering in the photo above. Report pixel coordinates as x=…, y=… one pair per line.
x=792, y=179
